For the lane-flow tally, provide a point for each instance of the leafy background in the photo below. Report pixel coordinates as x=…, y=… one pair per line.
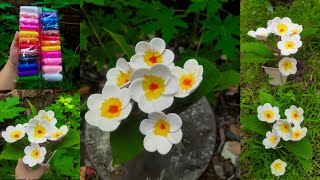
x=69, y=18
x=200, y=29
x=65, y=164
x=301, y=89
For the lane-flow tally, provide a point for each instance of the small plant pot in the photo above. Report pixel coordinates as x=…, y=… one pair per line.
x=276, y=78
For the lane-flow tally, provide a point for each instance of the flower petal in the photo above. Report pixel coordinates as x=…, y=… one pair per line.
x=162, y=71
x=92, y=117
x=172, y=86
x=190, y=65
x=94, y=101
x=178, y=71
x=175, y=122
x=146, y=126
x=163, y=145
x=142, y=47
x=150, y=142
x=113, y=74
x=110, y=91
x=136, y=90
x=123, y=64
x=158, y=45
x=125, y=113
x=167, y=57
x=175, y=137
x=137, y=74
x=108, y=125
x=157, y=115
x=137, y=61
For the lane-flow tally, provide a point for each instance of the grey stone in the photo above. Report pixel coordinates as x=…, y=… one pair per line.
x=186, y=160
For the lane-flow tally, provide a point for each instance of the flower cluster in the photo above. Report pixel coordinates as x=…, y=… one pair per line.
x=152, y=81
x=40, y=129
x=287, y=129
x=288, y=42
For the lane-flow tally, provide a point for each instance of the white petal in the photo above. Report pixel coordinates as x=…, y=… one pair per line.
x=136, y=90
x=40, y=160
x=125, y=113
x=142, y=47
x=139, y=74
x=175, y=122
x=146, y=126
x=110, y=91
x=157, y=115
x=124, y=97
x=42, y=112
x=190, y=65
x=162, y=71
x=108, y=125
x=112, y=75
x=50, y=114
x=123, y=64
x=145, y=105
x=167, y=57
x=94, y=101
x=43, y=151
x=163, y=102
x=92, y=117
x=252, y=34
x=137, y=61
x=181, y=94
x=178, y=71
x=175, y=137
x=158, y=45
x=150, y=142
x=172, y=86
x=163, y=145
x=27, y=150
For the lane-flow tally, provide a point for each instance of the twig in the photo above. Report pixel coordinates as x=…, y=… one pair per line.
x=271, y=48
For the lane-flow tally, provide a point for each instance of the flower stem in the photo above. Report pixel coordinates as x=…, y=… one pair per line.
x=270, y=47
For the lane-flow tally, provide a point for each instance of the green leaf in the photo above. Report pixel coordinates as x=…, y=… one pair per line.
x=254, y=124
x=71, y=139
x=96, y=2
x=302, y=148
x=268, y=98
x=257, y=48
x=71, y=59
x=122, y=43
x=213, y=6
x=83, y=36
x=229, y=78
x=309, y=34
x=65, y=165
x=34, y=110
x=197, y=6
x=253, y=58
x=13, y=151
x=9, y=109
x=5, y=5
x=307, y=164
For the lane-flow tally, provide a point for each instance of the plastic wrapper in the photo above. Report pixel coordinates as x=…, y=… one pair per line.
x=28, y=45
x=28, y=73
x=29, y=14
x=50, y=43
x=35, y=9
x=51, y=69
x=51, y=54
x=32, y=21
x=28, y=59
x=52, y=77
x=50, y=48
x=29, y=52
x=28, y=34
x=49, y=20
x=28, y=78
x=50, y=27
x=28, y=27
x=51, y=33
x=52, y=61
x=45, y=9
x=51, y=38
x=28, y=66
x=28, y=40
x=49, y=14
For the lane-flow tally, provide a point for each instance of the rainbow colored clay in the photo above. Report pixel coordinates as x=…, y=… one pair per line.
x=51, y=48
x=28, y=73
x=52, y=61
x=52, y=77
x=29, y=27
x=51, y=54
x=28, y=34
x=51, y=43
x=51, y=69
x=28, y=40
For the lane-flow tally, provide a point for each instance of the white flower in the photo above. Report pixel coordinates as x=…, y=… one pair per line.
x=57, y=134
x=190, y=77
x=148, y=54
x=283, y=129
x=268, y=113
x=294, y=115
x=272, y=139
x=161, y=132
x=298, y=133
x=46, y=116
x=288, y=66
x=13, y=134
x=34, y=154
x=260, y=33
x=108, y=109
x=278, y=167
x=153, y=88
x=296, y=29
x=280, y=26
x=289, y=44
x=38, y=130
x=120, y=75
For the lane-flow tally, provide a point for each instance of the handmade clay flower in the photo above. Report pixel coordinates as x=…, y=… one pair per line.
x=46, y=116
x=272, y=140
x=298, y=133
x=288, y=66
x=162, y=131
x=278, y=167
x=149, y=54
x=13, y=134
x=283, y=129
x=294, y=115
x=120, y=75
x=296, y=29
x=260, y=33
x=190, y=77
x=108, y=109
x=289, y=44
x=153, y=88
x=268, y=113
x=38, y=130
x=57, y=134
x=34, y=154
x=280, y=26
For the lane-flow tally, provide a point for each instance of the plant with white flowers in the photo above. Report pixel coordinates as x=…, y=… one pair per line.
x=40, y=129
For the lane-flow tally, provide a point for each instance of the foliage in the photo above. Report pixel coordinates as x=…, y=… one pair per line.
x=9, y=109
x=66, y=162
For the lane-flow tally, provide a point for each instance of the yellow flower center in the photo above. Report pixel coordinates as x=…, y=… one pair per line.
x=152, y=57
x=282, y=28
x=268, y=114
x=123, y=78
x=277, y=166
x=284, y=128
x=289, y=45
x=187, y=81
x=273, y=139
x=39, y=131
x=35, y=154
x=16, y=134
x=153, y=87
x=287, y=65
x=57, y=134
x=161, y=128
x=296, y=134
x=111, y=108
x=295, y=31
x=295, y=115
x=46, y=118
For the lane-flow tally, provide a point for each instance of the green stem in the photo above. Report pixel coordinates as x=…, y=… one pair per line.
x=200, y=41
x=92, y=27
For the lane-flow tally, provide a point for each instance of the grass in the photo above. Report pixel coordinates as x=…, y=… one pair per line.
x=302, y=89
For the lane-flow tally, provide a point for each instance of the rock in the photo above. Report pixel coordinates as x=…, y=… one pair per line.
x=186, y=160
